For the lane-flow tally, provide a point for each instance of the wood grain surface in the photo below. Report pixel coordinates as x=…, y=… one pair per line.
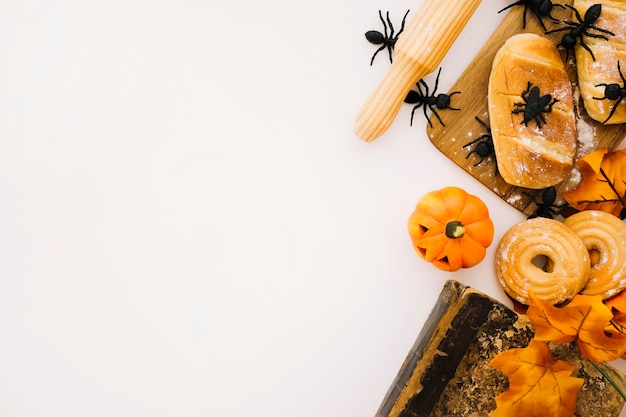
x=461, y=127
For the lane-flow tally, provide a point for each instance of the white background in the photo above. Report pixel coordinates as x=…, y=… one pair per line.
x=190, y=227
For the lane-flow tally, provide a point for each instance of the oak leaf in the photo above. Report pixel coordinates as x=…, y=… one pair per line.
x=603, y=185
x=538, y=386
x=583, y=321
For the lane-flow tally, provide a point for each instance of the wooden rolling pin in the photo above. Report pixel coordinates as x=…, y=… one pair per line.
x=419, y=50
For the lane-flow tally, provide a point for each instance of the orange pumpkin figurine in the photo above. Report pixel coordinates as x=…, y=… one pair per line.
x=451, y=229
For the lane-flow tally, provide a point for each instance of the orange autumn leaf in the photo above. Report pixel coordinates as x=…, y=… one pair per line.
x=617, y=302
x=603, y=185
x=538, y=386
x=583, y=321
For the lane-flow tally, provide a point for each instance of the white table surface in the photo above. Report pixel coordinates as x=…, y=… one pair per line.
x=190, y=227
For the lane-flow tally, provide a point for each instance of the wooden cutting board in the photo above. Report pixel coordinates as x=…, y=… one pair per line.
x=461, y=127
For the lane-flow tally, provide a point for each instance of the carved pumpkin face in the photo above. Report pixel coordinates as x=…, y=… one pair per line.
x=451, y=228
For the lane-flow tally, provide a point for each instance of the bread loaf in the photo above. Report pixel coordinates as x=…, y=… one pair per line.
x=534, y=149
x=604, y=69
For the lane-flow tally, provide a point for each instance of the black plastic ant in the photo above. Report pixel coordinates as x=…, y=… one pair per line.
x=614, y=92
x=540, y=8
x=428, y=101
x=534, y=105
x=582, y=28
x=386, y=40
x=546, y=207
x=484, y=144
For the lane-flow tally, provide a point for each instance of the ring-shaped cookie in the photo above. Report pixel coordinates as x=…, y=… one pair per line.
x=604, y=236
x=565, y=273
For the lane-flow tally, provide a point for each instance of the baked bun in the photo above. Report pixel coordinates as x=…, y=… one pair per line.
x=516, y=262
x=604, y=236
x=604, y=70
x=537, y=152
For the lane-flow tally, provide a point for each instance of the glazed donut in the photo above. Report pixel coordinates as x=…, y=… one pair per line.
x=604, y=236
x=565, y=273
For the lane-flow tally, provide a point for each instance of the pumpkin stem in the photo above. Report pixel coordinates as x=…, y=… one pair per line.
x=455, y=229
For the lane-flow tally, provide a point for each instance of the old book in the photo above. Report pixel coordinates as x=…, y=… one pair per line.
x=447, y=372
